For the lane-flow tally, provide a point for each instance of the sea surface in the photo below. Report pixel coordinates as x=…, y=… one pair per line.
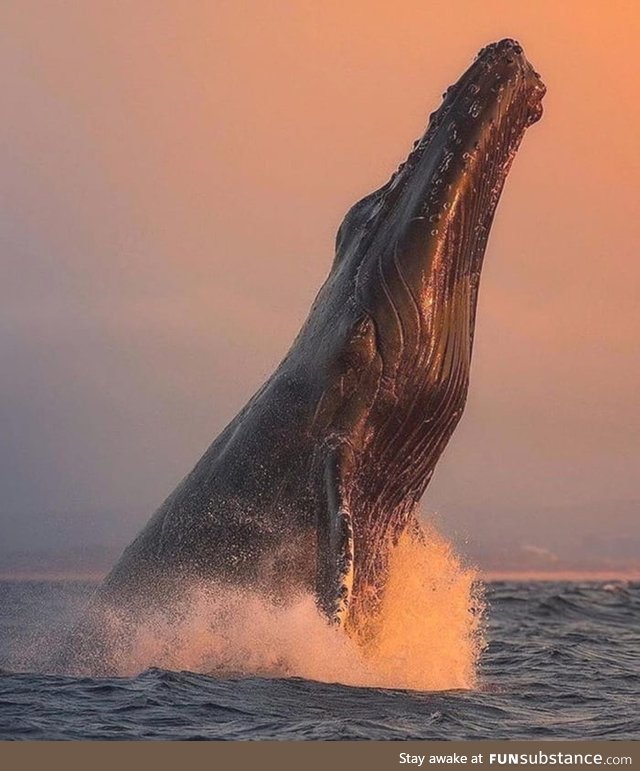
x=562, y=660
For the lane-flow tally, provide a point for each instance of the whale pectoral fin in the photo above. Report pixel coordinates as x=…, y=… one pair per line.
x=335, y=539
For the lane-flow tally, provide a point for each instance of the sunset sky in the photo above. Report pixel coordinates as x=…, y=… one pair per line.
x=173, y=174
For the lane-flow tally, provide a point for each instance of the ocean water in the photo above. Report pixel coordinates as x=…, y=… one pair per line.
x=552, y=660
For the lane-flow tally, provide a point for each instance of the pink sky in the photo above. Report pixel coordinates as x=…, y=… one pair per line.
x=173, y=176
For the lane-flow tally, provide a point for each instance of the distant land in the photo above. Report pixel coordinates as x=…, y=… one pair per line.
x=605, y=545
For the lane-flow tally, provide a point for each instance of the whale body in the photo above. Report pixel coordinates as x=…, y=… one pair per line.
x=312, y=483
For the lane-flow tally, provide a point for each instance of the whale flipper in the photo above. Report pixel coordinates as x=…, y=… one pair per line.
x=335, y=558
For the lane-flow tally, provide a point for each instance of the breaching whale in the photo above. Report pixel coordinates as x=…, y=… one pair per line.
x=311, y=484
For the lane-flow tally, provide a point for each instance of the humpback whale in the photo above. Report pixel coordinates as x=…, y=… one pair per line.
x=312, y=483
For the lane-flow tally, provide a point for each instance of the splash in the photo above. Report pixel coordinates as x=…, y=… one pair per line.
x=430, y=635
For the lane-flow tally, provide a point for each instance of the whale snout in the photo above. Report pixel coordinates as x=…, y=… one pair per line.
x=505, y=61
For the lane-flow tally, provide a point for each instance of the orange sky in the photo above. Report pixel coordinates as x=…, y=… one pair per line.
x=172, y=177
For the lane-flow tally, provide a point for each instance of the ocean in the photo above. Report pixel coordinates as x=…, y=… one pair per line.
x=557, y=660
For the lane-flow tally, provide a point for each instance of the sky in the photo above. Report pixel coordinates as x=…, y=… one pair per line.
x=173, y=175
